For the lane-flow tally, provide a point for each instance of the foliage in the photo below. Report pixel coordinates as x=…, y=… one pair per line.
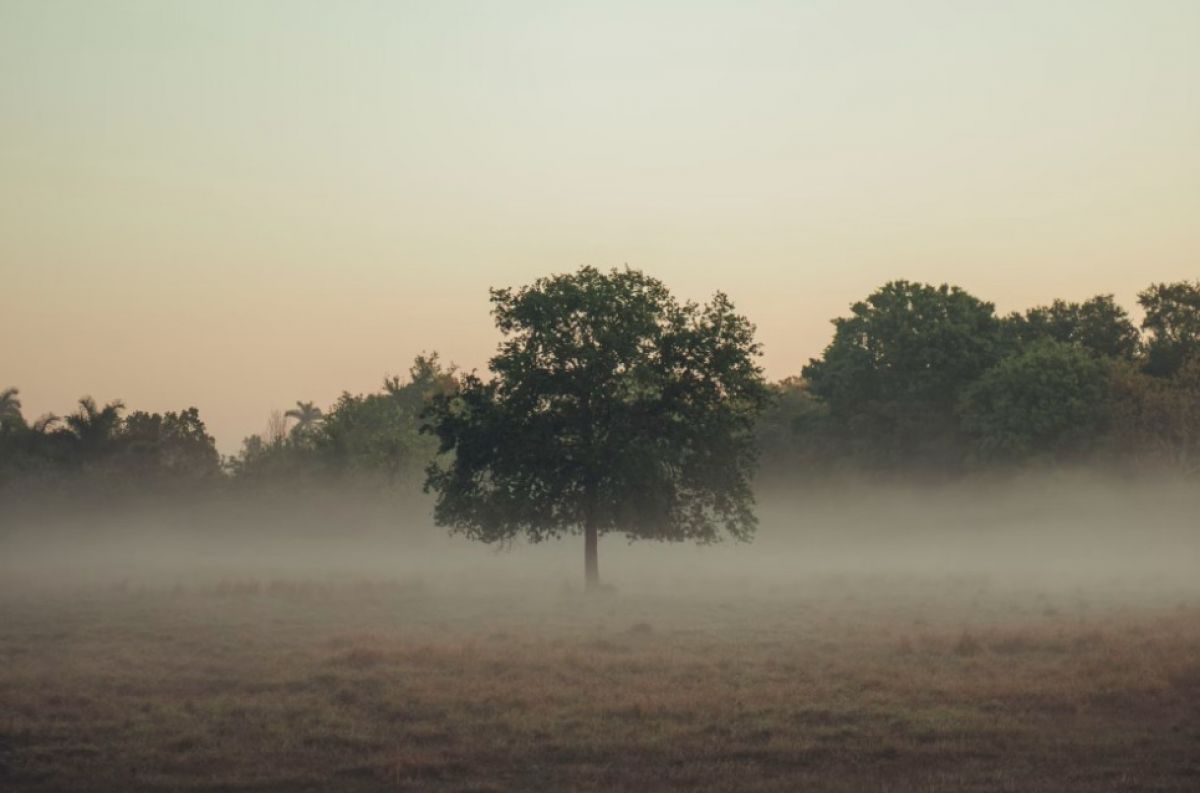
x=307, y=416
x=611, y=407
x=1046, y=401
x=1098, y=325
x=897, y=366
x=10, y=410
x=381, y=432
x=1157, y=419
x=1173, y=323
x=375, y=435
x=95, y=428
x=793, y=432
x=170, y=445
x=141, y=451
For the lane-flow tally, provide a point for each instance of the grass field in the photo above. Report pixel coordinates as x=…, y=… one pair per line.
x=836, y=683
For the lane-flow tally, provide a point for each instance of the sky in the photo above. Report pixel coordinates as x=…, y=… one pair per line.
x=237, y=205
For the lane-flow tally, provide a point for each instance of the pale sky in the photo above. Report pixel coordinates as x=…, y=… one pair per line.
x=235, y=205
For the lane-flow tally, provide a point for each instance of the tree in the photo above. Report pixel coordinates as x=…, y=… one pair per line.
x=1157, y=419
x=1047, y=401
x=1098, y=325
x=10, y=409
x=793, y=430
x=897, y=367
x=170, y=445
x=307, y=416
x=381, y=432
x=95, y=427
x=273, y=457
x=13, y=433
x=45, y=423
x=1173, y=322
x=276, y=434
x=374, y=437
x=612, y=407
x=34, y=450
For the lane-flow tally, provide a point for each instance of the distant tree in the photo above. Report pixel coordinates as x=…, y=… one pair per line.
x=44, y=453
x=46, y=422
x=10, y=409
x=1156, y=420
x=273, y=458
x=12, y=432
x=307, y=416
x=250, y=464
x=1048, y=401
x=170, y=446
x=1098, y=325
x=611, y=407
x=381, y=432
x=1173, y=323
x=426, y=378
x=276, y=433
x=374, y=438
x=95, y=428
x=897, y=366
x=793, y=432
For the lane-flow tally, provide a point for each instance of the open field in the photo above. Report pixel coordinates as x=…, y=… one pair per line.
x=834, y=683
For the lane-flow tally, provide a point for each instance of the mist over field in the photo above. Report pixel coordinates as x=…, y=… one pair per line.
x=1051, y=529
x=622, y=397
x=958, y=552
x=1038, y=632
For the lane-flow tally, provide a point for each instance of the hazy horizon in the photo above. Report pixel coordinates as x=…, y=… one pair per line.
x=238, y=206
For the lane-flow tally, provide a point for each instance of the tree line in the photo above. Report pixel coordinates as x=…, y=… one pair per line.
x=917, y=380
x=931, y=379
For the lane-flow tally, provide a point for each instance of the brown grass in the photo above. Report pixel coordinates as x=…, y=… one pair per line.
x=295, y=686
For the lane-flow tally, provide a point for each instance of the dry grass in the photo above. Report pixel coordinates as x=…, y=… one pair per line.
x=845, y=685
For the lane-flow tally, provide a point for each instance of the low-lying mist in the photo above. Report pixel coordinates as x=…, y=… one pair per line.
x=1034, y=633
x=1049, y=529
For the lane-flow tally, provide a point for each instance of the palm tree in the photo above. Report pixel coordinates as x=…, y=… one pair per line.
x=307, y=416
x=45, y=423
x=10, y=408
x=93, y=426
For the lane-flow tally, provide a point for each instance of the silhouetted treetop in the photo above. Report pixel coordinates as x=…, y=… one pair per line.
x=611, y=407
x=1097, y=325
x=1173, y=323
x=897, y=366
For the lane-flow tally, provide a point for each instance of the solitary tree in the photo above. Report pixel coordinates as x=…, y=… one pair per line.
x=612, y=407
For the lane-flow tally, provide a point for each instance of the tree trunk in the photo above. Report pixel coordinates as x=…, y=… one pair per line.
x=591, y=563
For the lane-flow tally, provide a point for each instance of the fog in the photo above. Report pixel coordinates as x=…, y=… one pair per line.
x=1040, y=629
x=1050, y=529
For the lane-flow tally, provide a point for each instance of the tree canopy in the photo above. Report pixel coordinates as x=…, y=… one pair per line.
x=611, y=407
x=1047, y=400
x=898, y=364
x=142, y=450
x=1173, y=323
x=610, y=404
x=1097, y=325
